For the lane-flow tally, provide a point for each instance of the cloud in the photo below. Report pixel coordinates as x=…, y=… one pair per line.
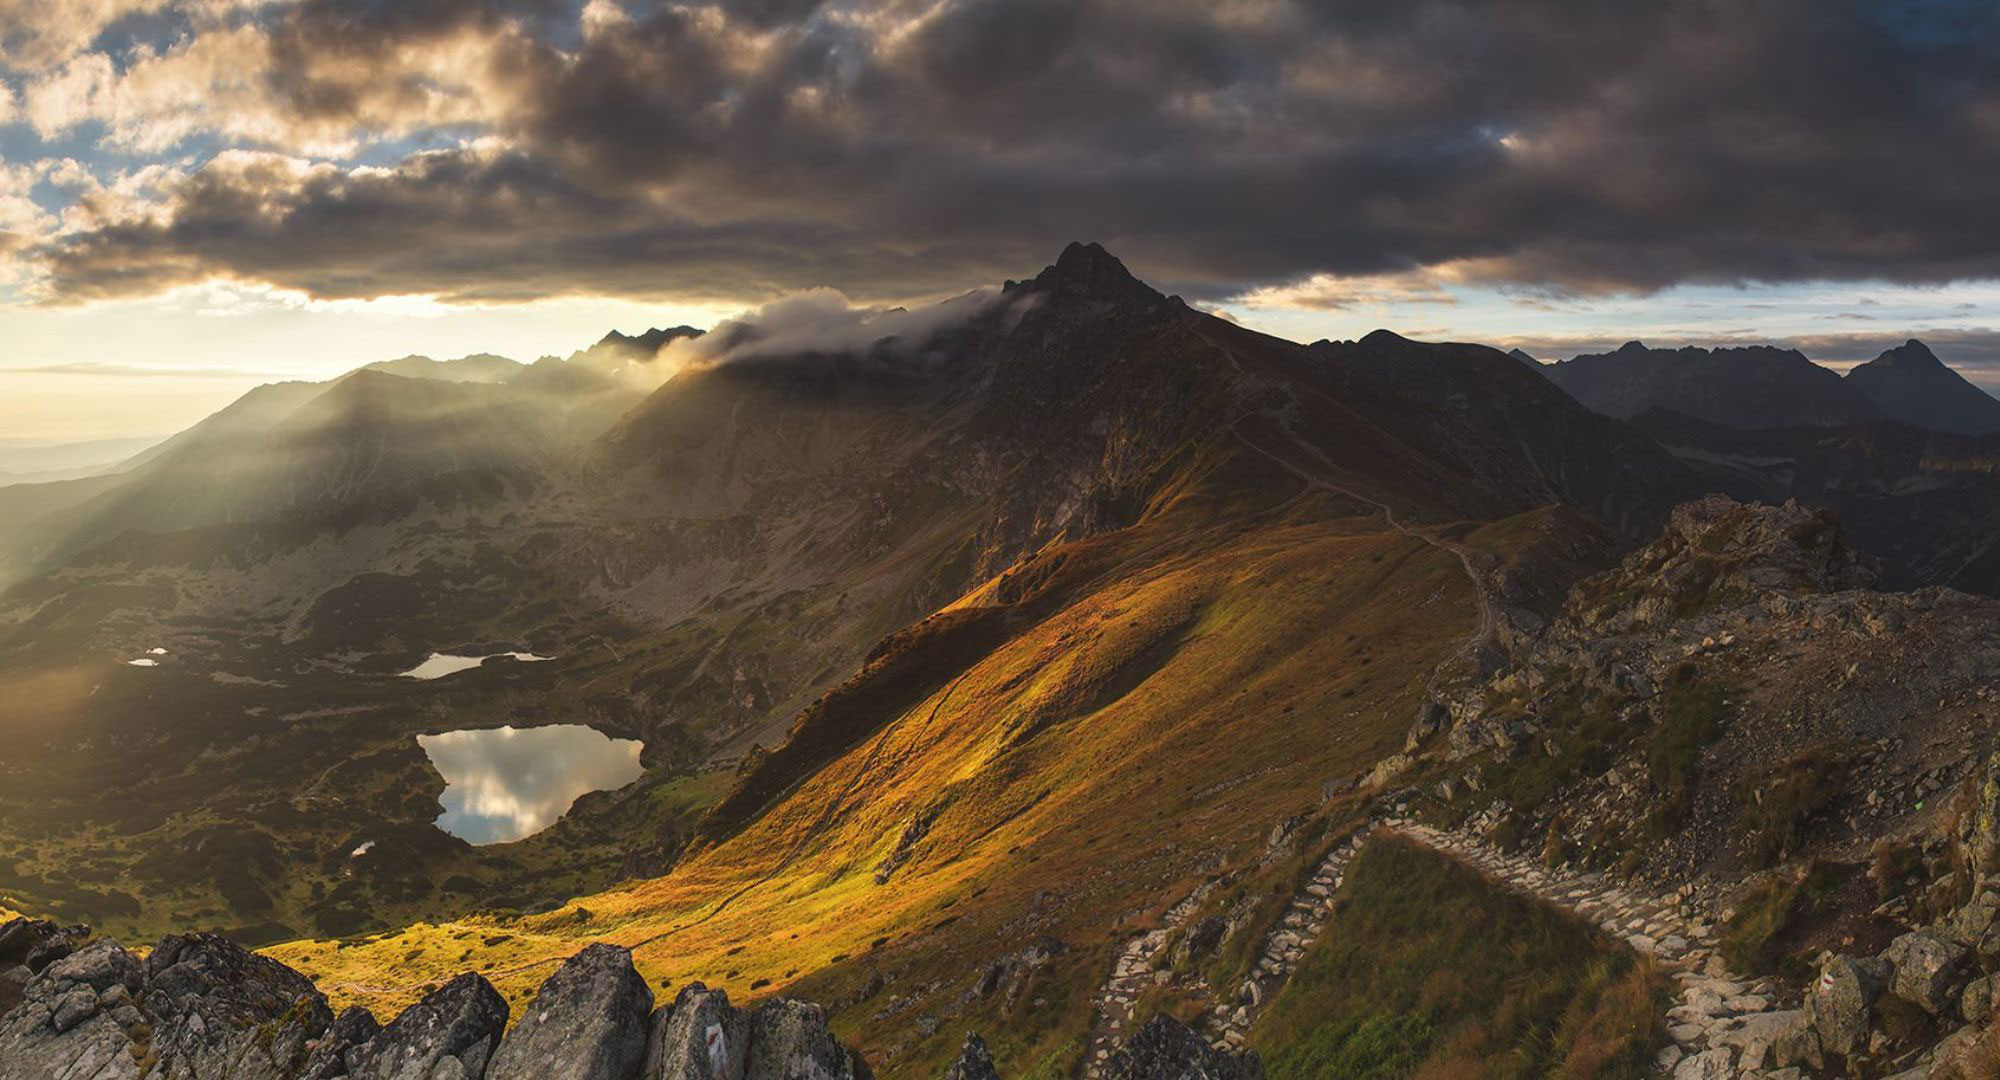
x=740, y=150
x=87, y=367
x=1331, y=292
x=824, y=321
x=38, y=34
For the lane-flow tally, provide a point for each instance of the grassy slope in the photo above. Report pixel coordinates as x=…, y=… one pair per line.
x=1428, y=970
x=1182, y=685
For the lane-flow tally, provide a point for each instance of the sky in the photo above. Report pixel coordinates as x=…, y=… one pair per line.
x=200, y=195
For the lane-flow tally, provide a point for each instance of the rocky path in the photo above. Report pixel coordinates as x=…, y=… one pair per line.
x=1720, y=1025
x=1131, y=973
x=1303, y=921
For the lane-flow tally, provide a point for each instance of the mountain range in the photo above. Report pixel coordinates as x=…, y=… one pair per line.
x=1068, y=667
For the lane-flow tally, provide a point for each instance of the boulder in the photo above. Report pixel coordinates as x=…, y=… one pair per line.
x=973, y=1063
x=63, y=942
x=588, y=1022
x=37, y=943
x=1166, y=1049
x=1716, y=1064
x=699, y=1037
x=1928, y=969
x=789, y=1041
x=354, y=1027
x=1770, y=1039
x=71, y=1022
x=18, y=937
x=1965, y=1054
x=450, y=1033
x=1841, y=1002
x=1796, y=1044
x=1975, y=1002
x=217, y=1010
x=1969, y=924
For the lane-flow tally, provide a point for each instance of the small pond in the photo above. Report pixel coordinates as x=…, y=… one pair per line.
x=506, y=783
x=438, y=664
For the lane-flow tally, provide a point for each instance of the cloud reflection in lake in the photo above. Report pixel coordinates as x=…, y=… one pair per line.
x=506, y=783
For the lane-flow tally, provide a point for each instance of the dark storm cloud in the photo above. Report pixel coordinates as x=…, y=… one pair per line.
x=903, y=148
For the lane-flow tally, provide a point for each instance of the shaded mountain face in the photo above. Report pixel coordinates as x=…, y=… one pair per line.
x=1911, y=384
x=1507, y=426
x=1758, y=386
x=1926, y=502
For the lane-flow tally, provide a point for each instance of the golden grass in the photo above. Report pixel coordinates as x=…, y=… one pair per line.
x=1196, y=683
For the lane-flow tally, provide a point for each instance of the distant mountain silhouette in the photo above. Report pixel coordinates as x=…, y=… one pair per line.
x=477, y=368
x=1757, y=386
x=1911, y=384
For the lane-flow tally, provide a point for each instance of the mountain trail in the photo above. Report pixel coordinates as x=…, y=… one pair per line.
x=1719, y=1019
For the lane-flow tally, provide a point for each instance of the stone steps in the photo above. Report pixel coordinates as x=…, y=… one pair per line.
x=1724, y=1025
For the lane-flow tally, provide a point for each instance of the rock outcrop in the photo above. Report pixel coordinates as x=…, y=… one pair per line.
x=789, y=1040
x=451, y=1034
x=76, y=1020
x=354, y=1027
x=588, y=1022
x=974, y=1063
x=1715, y=553
x=1166, y=1049
x=216, y=1010
x=699, y=1037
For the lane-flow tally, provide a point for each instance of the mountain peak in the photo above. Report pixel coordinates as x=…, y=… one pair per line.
x=1634, y=346
x=652, y=339
x=1087, y=269
x=1911, y=384
x=1910, y=354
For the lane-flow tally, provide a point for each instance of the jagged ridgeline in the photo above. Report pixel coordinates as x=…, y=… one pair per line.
x=1062, y=681
x=198, y=1006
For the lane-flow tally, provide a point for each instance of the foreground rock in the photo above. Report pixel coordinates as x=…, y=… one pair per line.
x=36, y=943
x=76, y=1020
x=789, y=1041
x=588, y=1022
x=1166, y=1049
x=699, y=1037
x=216, y=1010
x=200, y=1007
x=353, y=1028
x=449, y=1035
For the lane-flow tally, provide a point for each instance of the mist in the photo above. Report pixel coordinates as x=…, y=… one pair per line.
x=822, y=321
